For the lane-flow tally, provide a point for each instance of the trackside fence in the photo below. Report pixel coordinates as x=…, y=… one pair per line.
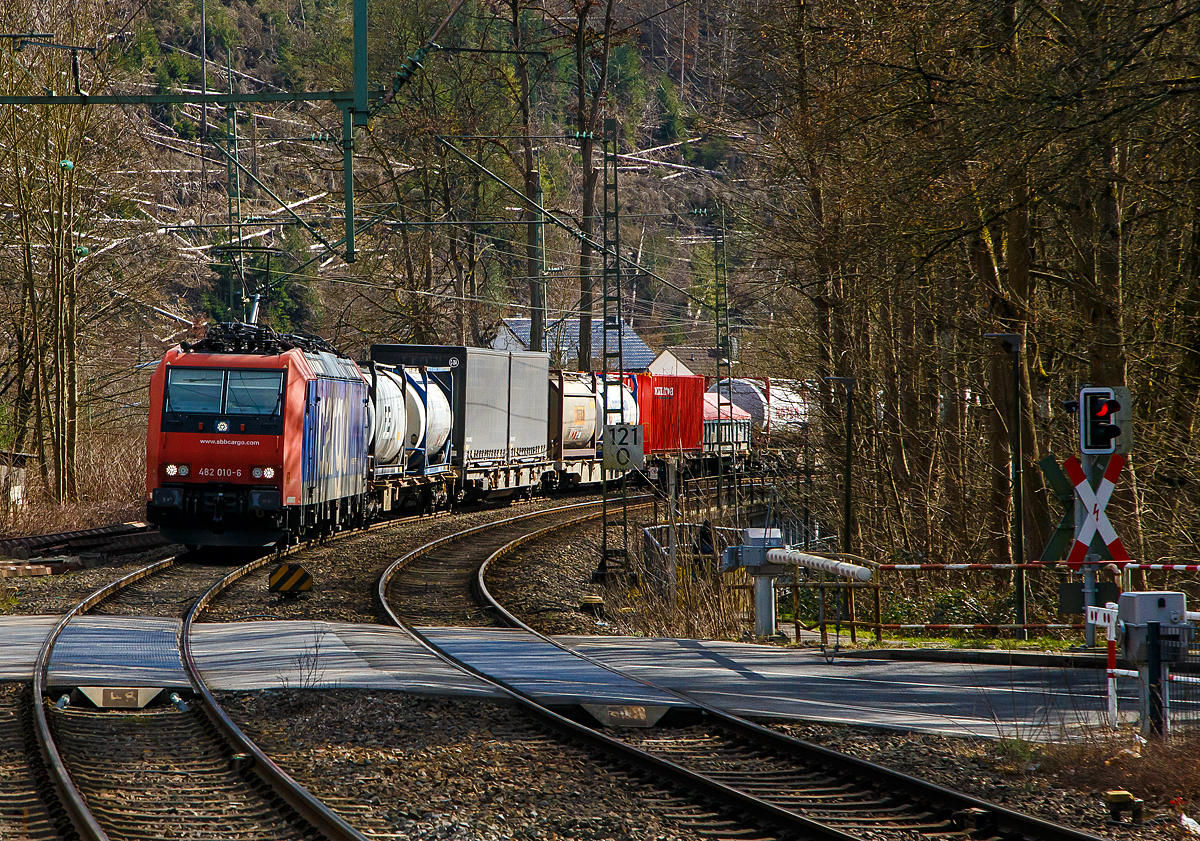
x=1184, y=686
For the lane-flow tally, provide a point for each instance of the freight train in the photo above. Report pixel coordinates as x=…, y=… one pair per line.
x=258, y=438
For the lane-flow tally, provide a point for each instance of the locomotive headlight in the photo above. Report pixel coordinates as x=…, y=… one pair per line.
x=257, y=472
x=172, y=470
x=183, y=470
x=268, y=472
x=222, y=426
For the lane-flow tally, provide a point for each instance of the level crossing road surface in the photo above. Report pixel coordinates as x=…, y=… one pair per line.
x=754, y=680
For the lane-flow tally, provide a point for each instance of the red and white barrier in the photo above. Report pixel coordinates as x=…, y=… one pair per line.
x=1167, y=567
x=1042, y=627
x=959, y=567
x=1107, y=616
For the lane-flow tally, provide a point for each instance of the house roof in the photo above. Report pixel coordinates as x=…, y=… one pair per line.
x=697, y=359
x=562, y=340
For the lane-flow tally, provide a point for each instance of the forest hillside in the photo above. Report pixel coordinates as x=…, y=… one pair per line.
x=886, y=186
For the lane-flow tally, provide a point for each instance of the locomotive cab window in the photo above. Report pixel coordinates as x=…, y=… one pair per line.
x=194, y=390
x=251, y=400
x=253, y=392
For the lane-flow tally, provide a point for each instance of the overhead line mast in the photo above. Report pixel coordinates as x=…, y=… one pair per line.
x=611, y=307
x=357, y=104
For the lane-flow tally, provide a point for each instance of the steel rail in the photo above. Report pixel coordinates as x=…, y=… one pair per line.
x=386, y=576
x=687, y=779
x=73, y=802
x=1002, y=818
x=306, y=804
x=72, y=799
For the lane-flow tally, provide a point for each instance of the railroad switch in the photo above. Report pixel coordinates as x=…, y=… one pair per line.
x=1119, y=800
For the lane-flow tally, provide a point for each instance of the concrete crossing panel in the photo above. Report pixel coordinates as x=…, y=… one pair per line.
x=754, y=680
x=542, y=670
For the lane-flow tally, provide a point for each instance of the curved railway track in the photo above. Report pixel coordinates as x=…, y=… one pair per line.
x=173, y=771
x=183, y=770
x=782, y=784
x=28, y=806
x=434, y=586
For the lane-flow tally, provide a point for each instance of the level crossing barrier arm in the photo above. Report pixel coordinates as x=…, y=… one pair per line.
x=830, y=565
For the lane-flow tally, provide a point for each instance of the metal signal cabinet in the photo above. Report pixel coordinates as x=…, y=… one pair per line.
x=672, y=410
x=223, y=470
x=499, y=405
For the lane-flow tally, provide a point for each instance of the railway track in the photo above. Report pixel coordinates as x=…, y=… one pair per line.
x=115, y=539
x=27, y=804
x=178, y=770
x=435, y=585
x=166, y=771
x=782, y=784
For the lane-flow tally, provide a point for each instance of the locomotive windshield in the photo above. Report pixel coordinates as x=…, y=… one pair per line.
x=194, y=390
x=212, y=391
x=253, y=392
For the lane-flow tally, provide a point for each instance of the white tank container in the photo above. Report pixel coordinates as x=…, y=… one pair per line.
x=389, y=417
x=428, y=412
x=618, y=394
x=578, y=411
x=773, y=405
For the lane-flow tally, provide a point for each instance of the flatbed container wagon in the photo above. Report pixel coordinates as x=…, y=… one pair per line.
x=498, y=408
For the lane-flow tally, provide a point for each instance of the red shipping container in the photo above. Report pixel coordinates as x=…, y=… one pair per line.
x=672, y=409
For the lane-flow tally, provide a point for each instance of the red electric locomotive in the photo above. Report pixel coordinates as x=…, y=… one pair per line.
x=254, y=437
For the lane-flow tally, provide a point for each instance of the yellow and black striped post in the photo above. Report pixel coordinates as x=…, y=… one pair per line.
x=290, y=580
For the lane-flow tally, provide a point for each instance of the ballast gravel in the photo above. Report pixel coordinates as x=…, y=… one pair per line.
x=443, y=768
x=440, y=768
x=345, y=570
x=449, y=769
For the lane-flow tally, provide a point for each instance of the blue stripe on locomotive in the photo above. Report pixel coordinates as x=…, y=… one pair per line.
x=335, y=441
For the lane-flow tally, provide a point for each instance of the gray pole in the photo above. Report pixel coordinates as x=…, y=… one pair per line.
x=203, y=80
x=537, y=319
x=1018, y=494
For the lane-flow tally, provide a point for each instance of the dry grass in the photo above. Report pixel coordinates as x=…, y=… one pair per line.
x=700, y=603
x=111, y=474
x=1158, y=771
